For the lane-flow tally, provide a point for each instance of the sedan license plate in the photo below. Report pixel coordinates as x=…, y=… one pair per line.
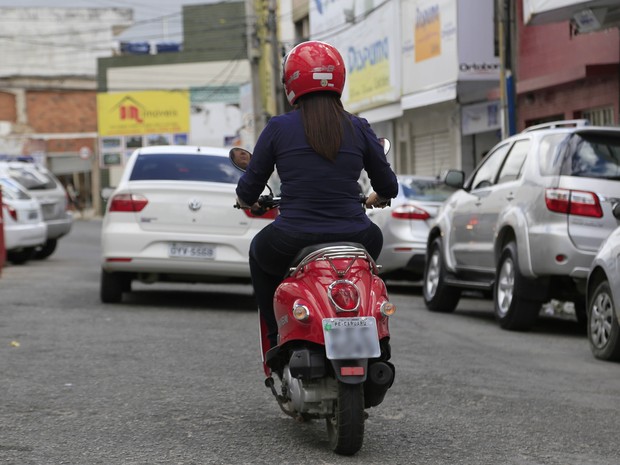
x=351, y=338
x=191, y=250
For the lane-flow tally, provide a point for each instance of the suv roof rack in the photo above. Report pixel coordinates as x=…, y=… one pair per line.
x=559, y=124
x=23, y=158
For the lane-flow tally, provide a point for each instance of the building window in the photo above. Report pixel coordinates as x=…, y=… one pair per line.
x=599, y=116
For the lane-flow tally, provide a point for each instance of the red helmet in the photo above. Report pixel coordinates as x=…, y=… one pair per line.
x=312, y=67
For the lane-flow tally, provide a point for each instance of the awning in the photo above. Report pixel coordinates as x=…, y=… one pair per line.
x=588, y=16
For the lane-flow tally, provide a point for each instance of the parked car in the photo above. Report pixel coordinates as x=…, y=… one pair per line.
x=405, y=225
x=604, y=299
x=24, y=228
x=44, y=186
x=171, y=219
x=528, y=222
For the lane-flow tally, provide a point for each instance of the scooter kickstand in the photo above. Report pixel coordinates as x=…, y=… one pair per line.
x=270, y=383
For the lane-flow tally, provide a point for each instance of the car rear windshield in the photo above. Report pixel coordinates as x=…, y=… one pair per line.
x=589, y=155
x=429, y=190
x=184, y=167
x=11, y=190
x=32, y=178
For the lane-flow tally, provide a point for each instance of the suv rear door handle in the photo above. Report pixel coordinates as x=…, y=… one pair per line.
x=510, y=197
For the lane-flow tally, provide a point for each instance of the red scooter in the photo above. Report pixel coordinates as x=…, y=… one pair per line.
x=332, y=357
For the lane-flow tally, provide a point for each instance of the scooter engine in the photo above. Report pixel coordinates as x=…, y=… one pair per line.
x=312, y=397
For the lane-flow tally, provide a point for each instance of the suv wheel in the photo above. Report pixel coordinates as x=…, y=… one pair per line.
x=46, y=249
x=438, y=296
x=21, y=256
x=603, y=330
x=112, y=287
x=512, y=310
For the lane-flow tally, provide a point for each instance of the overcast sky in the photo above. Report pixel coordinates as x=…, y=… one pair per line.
x=156, y=19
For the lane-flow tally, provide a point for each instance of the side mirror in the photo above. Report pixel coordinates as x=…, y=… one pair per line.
x=454, y=178
x=387, y=145
x=240, y=158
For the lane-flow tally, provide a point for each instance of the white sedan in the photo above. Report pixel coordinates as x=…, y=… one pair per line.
x=24, y=228
x=171, y=219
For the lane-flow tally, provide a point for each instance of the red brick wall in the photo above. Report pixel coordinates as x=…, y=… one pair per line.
x=62, y=111
x=8, y=110
x=562, y=75
x=550, y=49
x=569, y=100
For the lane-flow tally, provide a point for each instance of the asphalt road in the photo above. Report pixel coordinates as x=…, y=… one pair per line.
x=172, y=376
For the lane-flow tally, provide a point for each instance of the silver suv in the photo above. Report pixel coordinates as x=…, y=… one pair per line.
x=528, y=222
x=48, y=190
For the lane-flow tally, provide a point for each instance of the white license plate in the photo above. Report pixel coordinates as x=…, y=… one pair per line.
x=191, y=250
x=351, y=338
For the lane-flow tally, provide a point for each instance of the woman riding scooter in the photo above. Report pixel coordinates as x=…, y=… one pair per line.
x=319, y=151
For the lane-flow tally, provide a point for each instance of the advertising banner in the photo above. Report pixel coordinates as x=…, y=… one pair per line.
x=146, y=112
x=128, y=121
x=478, y=60
x=429, y=45
x=371, y=54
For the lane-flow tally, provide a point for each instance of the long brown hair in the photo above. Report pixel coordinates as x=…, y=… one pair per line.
x=324, y=119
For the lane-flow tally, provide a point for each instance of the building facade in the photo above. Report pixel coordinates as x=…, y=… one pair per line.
x=48, y=86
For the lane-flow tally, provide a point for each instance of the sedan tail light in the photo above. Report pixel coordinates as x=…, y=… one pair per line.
x=128, y=203
x=270, y=215
x=410, y=212
x=572, y=202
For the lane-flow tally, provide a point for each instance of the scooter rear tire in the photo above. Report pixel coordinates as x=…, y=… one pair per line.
x=346, y=428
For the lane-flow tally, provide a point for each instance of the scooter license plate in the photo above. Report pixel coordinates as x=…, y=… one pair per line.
x=351, y=338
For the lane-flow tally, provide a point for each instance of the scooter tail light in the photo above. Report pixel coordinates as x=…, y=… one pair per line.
x=344, y=295
x=387, y=308
x=301, y=312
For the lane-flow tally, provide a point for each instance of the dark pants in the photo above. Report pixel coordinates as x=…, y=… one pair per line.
x=272, y=251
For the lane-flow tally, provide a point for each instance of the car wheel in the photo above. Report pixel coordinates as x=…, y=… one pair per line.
x=438, y=296
x=21, y=256
x=512, y=310
x=112, y=287
x=603, y=329
x=46, y=249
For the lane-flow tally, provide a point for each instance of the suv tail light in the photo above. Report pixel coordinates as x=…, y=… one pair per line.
x=410, y=212
x=572, y=202
x=128, y=203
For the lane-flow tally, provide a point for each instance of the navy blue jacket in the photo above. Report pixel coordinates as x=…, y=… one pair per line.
x=318, y=195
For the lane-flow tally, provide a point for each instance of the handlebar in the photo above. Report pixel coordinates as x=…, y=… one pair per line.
x=265, y=203
x=269, y=202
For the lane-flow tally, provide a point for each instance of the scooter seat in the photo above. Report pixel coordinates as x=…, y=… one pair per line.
x=303, y=253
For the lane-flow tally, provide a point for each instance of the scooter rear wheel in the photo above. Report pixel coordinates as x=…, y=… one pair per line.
x=346, y=428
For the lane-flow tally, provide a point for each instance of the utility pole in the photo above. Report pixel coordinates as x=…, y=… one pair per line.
x=506, y=31
x=254, y=53
x=276, y=59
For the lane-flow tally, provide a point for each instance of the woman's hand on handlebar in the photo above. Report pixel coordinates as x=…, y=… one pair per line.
x=374, y=200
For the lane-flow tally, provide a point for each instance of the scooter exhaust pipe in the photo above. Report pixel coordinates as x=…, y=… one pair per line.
x=380, y=379
x=381, y=374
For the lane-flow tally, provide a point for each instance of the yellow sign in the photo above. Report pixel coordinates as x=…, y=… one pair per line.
x=370, y=81
x=148, y=112
x=427, y=33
